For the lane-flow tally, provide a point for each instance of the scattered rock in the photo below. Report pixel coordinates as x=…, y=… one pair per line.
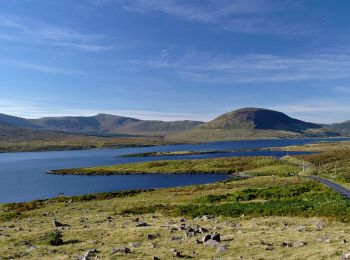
x=221, y=249
x=174, y=238
x=135, y=244
x=152, y=236
x=88, y=255
x=207, y=217
x=59, y=224
x=30, y=248
x=285, y=244
x=319, y=225
x=152, y=245
x=202, y=230
x=216, y=237
x=136, y=220
x=301, y=228
x=269, y=247
x=198, y=242
x=182, y=220
x=346, y=256
x=155, y=258
x=343, y=241
x=212, y=243
x=189, y=234
x=299, y=244
x=175, y=252
x=141, y=224
x=123, y=250
x=206, y=238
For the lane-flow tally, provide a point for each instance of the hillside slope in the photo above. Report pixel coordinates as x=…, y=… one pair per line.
x=259, y=119
x=250, y=123
x=104, y=123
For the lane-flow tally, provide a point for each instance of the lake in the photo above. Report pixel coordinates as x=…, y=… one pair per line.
x=23, y=175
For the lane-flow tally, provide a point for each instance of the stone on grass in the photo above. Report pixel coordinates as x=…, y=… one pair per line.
x=174, y=238
x=152, y=236
x=207, y=217
x=206, y=238
x=59, y=224
x=221, y=249
x=141, y=224
x=123, y=250
x=319, y=225
x=216, y=237
x=175, y=252
x=134, y=244
x=301, y=228
x=299, y=244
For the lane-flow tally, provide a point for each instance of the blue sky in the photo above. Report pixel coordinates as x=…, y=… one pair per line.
x=175, y=59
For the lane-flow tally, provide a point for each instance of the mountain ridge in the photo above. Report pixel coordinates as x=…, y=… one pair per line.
x=249, y=122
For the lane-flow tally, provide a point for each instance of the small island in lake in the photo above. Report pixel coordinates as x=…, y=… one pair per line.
x=175, y=153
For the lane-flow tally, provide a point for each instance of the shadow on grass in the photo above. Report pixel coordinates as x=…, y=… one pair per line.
x=72, y=241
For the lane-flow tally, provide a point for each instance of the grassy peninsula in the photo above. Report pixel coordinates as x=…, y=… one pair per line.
x=258, y=165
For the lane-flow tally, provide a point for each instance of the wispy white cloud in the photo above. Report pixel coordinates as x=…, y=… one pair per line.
x=37, y=109
x=207, y=67
x=35, y=31
x=41, y=67
x=342, y=89
x=317, y=110
x=244, y=16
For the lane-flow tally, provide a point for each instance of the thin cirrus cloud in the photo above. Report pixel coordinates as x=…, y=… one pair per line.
x=244, y=16
x=36, y=109
x=42, y=68
x=342, y=89
x=13, y=28
x=322, y=111
x=207, y=67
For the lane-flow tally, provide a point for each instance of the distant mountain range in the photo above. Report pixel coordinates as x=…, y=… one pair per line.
x=245, y=123
x=101, y=124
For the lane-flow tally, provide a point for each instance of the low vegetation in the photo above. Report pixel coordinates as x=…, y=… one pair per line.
x=255, y=217
x=332, y=161
x=273, y=214
x=55, y=238
x=231, y=165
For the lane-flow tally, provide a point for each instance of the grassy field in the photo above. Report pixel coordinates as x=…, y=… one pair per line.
x=254, y=165
x=273, y=213
x=265, y=217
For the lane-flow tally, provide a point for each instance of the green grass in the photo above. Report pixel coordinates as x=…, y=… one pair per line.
x=327, y=204
x=105, y=221
x=269, y=193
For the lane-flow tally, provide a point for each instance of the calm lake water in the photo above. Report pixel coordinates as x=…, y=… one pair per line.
x=23, y=175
